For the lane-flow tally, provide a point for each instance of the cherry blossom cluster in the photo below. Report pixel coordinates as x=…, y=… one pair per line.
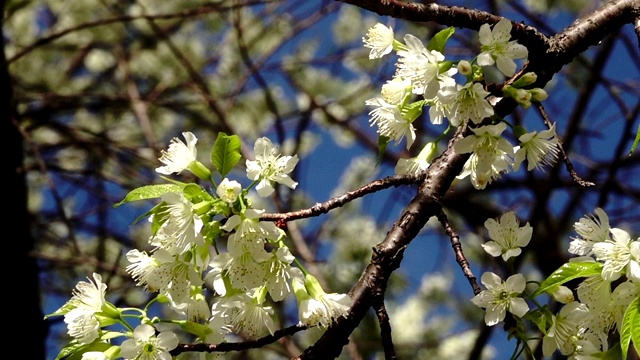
x=608, y=297
x=456, y=90
x=210, y=259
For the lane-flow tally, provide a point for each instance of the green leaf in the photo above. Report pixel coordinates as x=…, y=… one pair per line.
x=542, y=317
x=149, y=192
x=568, y=272
x=74, y=350
x=635, y=142
x=613, y=353
x=383, y=141
x=439, y=40
x=631, y=328
x=226, y=153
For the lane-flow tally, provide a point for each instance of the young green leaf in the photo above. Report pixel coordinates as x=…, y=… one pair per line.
x=439, y=40
x=149, y=192
x=383, y=141
x=568, y=272
x=631, y=328
x=226, y=153
x=542, y=317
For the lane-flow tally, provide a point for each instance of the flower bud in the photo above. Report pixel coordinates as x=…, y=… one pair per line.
x=561, y=294
x=526, y=79
x=395, y=90
x=538, y=94
x=464, y=68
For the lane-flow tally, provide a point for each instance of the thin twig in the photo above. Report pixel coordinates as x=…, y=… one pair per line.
x=323, y=208
x=236, y=346
x=385, y=328
x=457, y=249
x=565, y=157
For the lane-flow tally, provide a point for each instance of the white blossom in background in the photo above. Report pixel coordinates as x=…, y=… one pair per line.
x=269, y=167
x=565, y=326
x=507, y=237
x=87, y=300
x=390, y=122
x=491, y=154
x=501, y=297
x=228, y=190
x=466, y=102
x=179, y=155
x=539, y=149
x=496, y=47
x=619, y=254
x=146, y=345
x=591, y=229
x=380, y=40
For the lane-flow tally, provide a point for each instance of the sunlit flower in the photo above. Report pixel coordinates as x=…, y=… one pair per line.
x=566, y=325
x=380, y=40
x=491, y=154
x=618, y=254
x=591, y=229
x=421, y=66
x=87, y=300
x=146, y=345
x=244, y=271
x=496, y=47
x=417, y=164
x=395, y=90
x=270, y=166
x=466, y=102
x=501, y=297
x=179, y=155
x=245, y=314
x=279, y=273
x=390, y=122
x=316, y=307
x=228, y=191
x=194, y=307
x=540, y=149
x=163, y=272
x=182, y=226
x=507, y=236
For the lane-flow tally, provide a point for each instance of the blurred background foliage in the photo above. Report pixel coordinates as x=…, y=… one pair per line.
x=101, y=86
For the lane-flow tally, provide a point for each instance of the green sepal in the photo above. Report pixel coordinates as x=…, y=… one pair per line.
x=108, y=335
x=410, y=112
x=439, y=40
x=226, y=153
x=199, y=330
x=635, y=142
x=383, y=141
x=630, y=332
x=542, y=317
x=64, y=309
x=568, y=272
x=613, y=353
x=149, y=192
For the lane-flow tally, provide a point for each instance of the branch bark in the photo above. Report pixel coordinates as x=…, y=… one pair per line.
x=547, y=57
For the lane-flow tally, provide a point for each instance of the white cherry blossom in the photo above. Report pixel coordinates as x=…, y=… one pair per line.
x=501, y=297
x=179, y=155
x=507, y=237
x=269, y=166
x=380, y=40
x=539, y=149
x=496, y=47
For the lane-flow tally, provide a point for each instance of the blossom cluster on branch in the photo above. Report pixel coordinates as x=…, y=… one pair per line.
x=212, y=261
x=608, y=298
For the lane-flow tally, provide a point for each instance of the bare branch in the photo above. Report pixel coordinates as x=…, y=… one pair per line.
x=325, y=207
x=252, y=344
x=457, y=249
x=385, y=328
x=565, y=157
